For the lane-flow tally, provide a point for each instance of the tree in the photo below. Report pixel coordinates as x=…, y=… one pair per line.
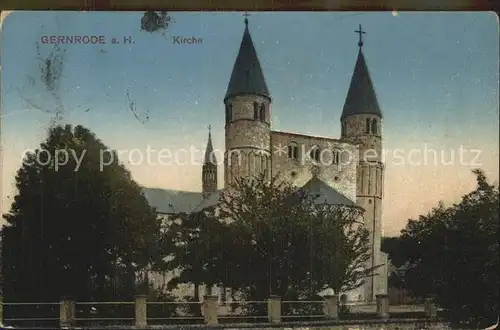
x=392, y=246
x=192, y=245
x=82, y=228
x=452, y=252
x=272, y=239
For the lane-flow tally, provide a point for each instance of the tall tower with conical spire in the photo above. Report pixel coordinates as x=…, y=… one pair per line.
x=361, y=122
x=248, y=119
x=209, y=169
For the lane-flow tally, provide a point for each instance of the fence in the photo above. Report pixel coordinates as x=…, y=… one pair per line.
x=141, y=313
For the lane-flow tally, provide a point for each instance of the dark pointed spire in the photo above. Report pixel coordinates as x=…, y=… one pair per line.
x=209, y=151
x=209, y=169
x=361, y=97
x=247, y=76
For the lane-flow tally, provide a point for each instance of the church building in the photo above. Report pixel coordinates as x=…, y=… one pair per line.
x=347, y=170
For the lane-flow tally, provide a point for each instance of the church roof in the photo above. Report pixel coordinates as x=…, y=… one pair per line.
x=361, y=97
x=315, y=187
x=324, y=193
x=247, y=76
x=167, y=201
x=210, y=201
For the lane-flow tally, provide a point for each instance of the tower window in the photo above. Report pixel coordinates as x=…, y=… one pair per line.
x=315, y=154
x=255, y=111
x=374, y=127
x=336, y=157
x=367, y=128
x=229, y=112
x=262, y=112
x=293, y=152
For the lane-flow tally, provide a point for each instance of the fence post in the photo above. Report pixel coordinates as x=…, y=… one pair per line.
x=274, y=309
x=67, y=312
x=141, y=311
x=210, y=303
x=383, y=306
x=331, y=306
x=430, y=307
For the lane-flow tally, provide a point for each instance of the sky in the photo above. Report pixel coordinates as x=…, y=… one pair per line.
x=435, y=75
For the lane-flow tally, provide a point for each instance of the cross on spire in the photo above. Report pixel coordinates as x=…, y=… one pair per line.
x=246, y=14
x=360, y=32
x=209, y=128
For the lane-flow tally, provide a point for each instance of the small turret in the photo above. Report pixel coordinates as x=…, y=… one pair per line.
x=209, y=170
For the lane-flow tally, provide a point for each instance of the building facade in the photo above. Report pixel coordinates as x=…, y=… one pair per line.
x=349, y=169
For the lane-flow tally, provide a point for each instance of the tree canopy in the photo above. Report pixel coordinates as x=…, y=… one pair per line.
x=452, y=252
x=264, y=237
x=80, y=228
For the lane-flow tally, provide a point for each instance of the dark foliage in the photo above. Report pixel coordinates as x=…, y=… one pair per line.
x=452, y=252
x=266, y=238
x=78, y=229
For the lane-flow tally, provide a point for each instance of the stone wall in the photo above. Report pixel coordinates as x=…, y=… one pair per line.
x=332, y=325
x=245, y=138
x=341, y=177
x=393, y=325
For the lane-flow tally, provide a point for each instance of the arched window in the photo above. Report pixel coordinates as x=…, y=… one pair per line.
x=315, y=154
x=367, y=128
x=374, y=127
x=262, y=112
x=229, y=112
x=293, y=151
x=255, y=111
x=336, y=157
x=346, y=157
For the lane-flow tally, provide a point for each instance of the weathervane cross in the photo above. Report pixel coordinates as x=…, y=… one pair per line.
x=246, y=14
x=360, y=32
x=209, y=128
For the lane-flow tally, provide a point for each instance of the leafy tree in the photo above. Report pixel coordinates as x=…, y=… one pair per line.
x=452, y=252
x=392, y=246
x=291, y=245
x=78, y=229
x=192, y=244
x=272, y=239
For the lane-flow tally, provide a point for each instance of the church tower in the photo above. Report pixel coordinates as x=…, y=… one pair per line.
x=362, y=125
x=209, y=169
x=248, y=118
